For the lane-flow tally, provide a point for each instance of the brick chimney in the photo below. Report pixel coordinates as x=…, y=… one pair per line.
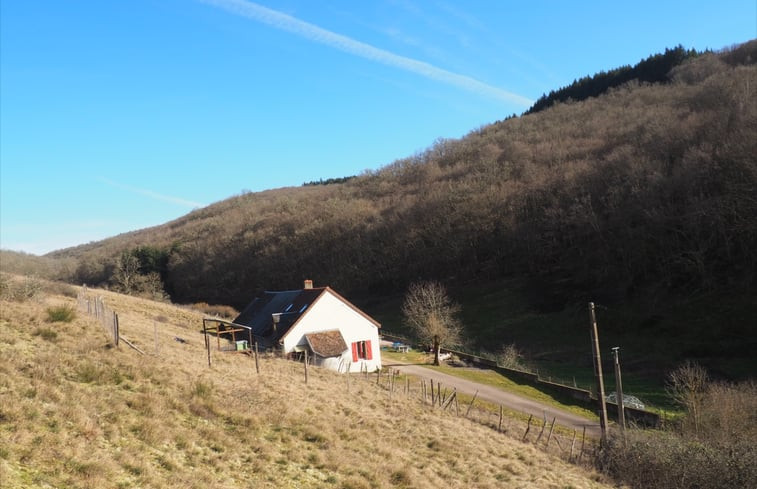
x=308, y=284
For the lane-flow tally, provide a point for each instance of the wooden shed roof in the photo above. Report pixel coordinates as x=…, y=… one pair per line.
x=327, y=343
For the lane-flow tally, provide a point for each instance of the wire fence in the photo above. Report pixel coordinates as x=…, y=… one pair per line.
x=573, y=444
x=95, y=307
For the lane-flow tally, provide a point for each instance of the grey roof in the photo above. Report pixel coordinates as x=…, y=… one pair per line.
x=290, y=304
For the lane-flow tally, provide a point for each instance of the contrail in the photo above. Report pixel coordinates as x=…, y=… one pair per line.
x=284, y=22
x=153, y=195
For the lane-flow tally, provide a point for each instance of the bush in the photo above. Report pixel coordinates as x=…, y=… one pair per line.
x=711, y=447
x=60, y=288
x=668, y=460
x=511, y=357
x=61, y=314
x=217, y=310
x=19, y=290
x=46, y=334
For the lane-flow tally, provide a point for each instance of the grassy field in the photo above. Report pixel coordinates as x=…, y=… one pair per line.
x=77, y=412
x=492, y=378
x=556, y=343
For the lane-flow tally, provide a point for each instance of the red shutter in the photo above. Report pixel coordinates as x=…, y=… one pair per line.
x=368, y=351
x=354, y=352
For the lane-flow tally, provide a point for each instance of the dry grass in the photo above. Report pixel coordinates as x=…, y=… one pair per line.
x=75, y=412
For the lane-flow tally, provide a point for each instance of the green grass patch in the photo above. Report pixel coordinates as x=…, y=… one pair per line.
x=495, y=379
x=61, y=314
x=491, y=378
x=413, y=357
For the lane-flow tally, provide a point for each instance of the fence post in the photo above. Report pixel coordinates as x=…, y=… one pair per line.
x=549, y=436
x=257, y=367
x=306, y=366
x=543, y=425
x=116, y=333
x=583, y=440
x=572, y=446
x=471, y=404
x=528, y=428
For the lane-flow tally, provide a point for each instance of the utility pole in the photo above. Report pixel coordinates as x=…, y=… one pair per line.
x=598, y=373
x=619, y=391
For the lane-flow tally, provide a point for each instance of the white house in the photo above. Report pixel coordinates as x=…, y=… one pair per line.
x=337, y=334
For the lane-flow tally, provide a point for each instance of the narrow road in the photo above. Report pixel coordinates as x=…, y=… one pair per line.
x=498, y=396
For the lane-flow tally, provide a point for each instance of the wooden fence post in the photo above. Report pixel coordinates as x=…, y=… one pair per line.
x=471, y=404
x=452, y=397
x=543, y=425
x=583, y=440
x=528, y=428
x=572, y=445
x=306, y=366
x=549, y=436
x=207, y=340
x=116, y=333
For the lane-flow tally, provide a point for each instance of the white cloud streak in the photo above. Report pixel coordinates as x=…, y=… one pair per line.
x=154, y=195
x=284, y=22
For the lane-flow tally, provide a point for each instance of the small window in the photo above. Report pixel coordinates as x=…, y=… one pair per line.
x=303, y=308
x=361, y=350
x=288, y=307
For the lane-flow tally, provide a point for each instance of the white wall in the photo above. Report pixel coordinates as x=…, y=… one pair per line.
x=329, y=312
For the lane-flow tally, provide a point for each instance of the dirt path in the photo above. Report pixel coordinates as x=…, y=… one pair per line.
x=498, y=396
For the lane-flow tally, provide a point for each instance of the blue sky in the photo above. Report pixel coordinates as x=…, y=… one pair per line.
x=120, y=115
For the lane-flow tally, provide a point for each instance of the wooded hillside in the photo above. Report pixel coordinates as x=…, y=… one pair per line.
x=646, y=190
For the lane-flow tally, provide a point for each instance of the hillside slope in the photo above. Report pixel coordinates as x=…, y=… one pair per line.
x=643, y=199
x=78, y=413
x=645, y=184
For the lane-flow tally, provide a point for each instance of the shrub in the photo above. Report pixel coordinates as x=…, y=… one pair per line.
x=28, y=289
x=46, y=334
x=61, y=314
x=60, y=288
x=668, y=460
x=88, y=373
x=201, y=389
x=712, y=446
x=5, y=285
x=219, y=310
x=19, y=290
x=687, y=386
x=511, y=357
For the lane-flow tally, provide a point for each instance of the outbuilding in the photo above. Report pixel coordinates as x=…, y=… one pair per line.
x=335, y=333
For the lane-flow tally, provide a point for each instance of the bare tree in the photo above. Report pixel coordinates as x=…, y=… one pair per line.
x=127, y=272
x=429, y=311
x=687, y=385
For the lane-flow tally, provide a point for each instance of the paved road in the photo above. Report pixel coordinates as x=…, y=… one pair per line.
x=498, y=396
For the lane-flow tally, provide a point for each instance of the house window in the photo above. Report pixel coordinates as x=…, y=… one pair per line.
x=361, y=350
